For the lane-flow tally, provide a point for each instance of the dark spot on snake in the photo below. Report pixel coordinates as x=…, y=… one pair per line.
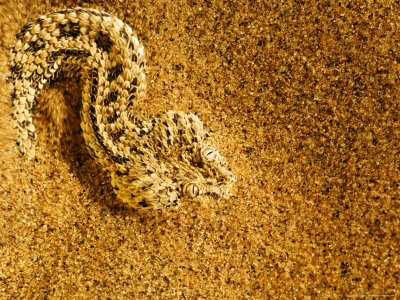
x=69, y=29
x=149, y=172
x=133, y=91
x=168, y=133
x=16, y=71
x=131, y=97
x=32, y=135
x=95, y=13
x=13, y=97
x=93, y=118
x=94, y=76
x=103, y=42
x=114, y=72
x=137, y=121
x=134, y=57
x=113, y=118
x=112, y=97
x=141, y=65
x=199, y=164
x=117, y=135
x=142, y=133
x=35, y=78
x=175, y=119
x=119, y=173
x=119, y=159
x=143, y=203
x=35, y=46
x=75, y=52
x=91, y=150
x=100, y=139
x=24, y=30
x=134, y=81
x=124, y=34
x=194, y=140
x=212, y=194
x=105, y=14
x=53, y=57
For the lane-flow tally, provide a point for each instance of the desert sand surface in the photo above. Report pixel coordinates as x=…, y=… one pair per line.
x=303, y=100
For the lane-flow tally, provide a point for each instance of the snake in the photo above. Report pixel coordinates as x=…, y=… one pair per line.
x=152, y=163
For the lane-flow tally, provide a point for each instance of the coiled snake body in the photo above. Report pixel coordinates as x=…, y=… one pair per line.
x=152, y=163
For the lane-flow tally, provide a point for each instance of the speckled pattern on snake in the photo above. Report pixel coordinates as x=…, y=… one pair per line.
x=153, y=163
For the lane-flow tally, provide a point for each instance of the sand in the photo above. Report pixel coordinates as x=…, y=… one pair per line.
x=303, y=99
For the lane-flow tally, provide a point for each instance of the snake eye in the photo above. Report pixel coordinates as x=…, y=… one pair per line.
x=209, y=154
x=192, y=190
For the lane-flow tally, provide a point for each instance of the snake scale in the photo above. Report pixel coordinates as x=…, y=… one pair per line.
x=153, y=163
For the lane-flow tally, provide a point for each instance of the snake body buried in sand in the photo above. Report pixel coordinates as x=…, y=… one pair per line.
x=152, y=163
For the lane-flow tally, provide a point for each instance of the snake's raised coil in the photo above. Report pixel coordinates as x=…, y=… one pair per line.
x=152, y=163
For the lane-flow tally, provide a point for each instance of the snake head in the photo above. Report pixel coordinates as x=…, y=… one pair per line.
x=178, y=161
x=198, y=169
